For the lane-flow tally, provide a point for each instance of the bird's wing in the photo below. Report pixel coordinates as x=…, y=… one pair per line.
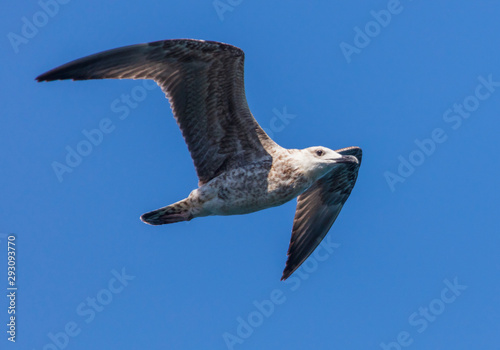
x=317, y=209
x=205, y=85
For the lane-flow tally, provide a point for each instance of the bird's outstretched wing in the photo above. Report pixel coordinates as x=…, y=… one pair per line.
x=203, y=81
x=317, y=209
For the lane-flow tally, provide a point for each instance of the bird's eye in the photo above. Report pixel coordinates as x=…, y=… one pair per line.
x=319, y=152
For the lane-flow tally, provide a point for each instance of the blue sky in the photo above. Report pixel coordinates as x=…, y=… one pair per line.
x=412, y=261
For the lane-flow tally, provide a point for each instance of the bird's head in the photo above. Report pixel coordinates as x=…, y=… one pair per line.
x=320, y=160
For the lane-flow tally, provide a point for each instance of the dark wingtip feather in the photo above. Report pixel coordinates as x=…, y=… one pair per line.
x=285, y=275
x=73, y=70
x=51, y=75
x=42, y=77
x=290, y=268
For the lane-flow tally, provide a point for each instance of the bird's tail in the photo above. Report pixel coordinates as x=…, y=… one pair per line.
x=180, y=211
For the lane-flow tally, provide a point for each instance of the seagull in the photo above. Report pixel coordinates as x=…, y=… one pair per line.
x=240, y=168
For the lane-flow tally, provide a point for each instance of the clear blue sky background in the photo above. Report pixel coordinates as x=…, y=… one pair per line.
x=397, y=242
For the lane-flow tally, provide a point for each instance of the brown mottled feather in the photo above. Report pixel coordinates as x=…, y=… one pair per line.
x=205, y=85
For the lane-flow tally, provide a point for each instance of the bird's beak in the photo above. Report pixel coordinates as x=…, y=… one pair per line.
x=346, y=159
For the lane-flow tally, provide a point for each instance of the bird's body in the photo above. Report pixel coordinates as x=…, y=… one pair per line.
x=252, y=187
x=240, y=169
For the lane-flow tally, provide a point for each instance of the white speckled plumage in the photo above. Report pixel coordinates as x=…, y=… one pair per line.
x=240, y=169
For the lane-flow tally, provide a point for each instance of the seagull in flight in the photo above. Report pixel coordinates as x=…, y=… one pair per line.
x=240, y=168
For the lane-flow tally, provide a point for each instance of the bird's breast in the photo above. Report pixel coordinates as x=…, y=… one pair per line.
x=252, y=188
